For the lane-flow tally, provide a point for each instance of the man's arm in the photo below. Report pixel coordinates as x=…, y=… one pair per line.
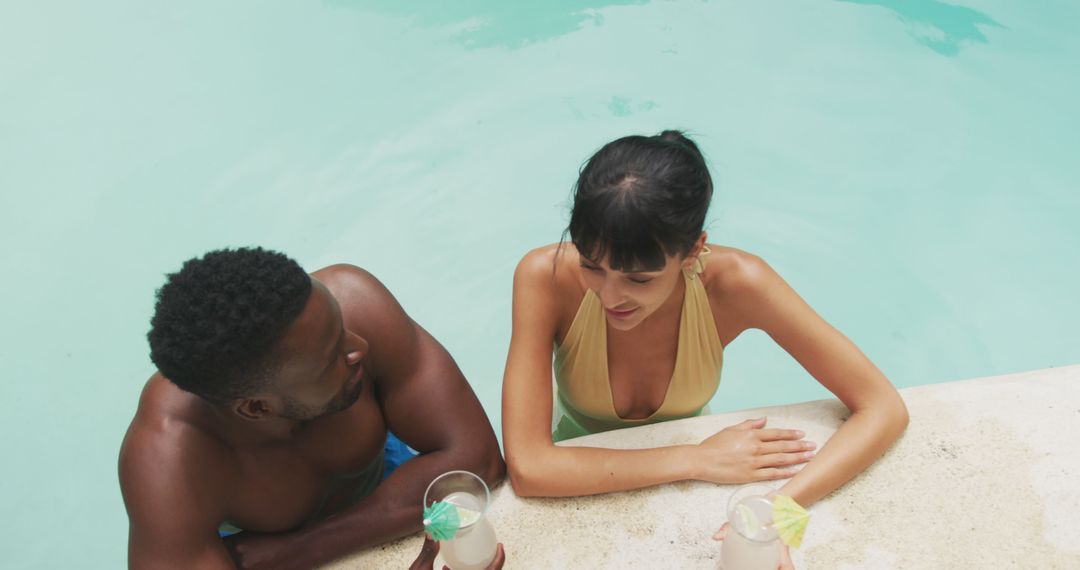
x=426, y=402
x=171, y=507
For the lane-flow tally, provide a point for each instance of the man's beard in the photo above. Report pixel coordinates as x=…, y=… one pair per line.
x=294, y=410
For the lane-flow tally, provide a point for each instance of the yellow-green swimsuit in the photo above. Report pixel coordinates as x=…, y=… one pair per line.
x=581, y=366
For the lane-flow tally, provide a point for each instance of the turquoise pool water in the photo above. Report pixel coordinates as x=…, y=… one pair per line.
x=910, y=167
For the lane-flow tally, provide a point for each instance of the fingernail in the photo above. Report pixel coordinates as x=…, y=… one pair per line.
x=800, y=432
x=811, y=445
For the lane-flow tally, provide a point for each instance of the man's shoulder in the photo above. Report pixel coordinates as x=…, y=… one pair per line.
x=371, y=311
x=342, y=272
x=357, y=290
x=345, y=278
x=166, y=448
x=173, y=478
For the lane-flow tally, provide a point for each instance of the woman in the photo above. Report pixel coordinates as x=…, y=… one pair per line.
x=639, y=309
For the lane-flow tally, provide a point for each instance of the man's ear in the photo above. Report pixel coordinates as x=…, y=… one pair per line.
x=256, y=408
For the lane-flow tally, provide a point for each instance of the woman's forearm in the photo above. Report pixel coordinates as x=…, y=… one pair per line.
x=557, y=471
x=860, y=441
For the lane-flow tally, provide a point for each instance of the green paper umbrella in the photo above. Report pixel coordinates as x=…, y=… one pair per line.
x=441, y=520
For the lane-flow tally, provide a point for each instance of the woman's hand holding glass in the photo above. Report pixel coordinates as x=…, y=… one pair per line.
x=785, y=553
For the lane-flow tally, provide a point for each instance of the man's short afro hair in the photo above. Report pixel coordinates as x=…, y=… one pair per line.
x=217, y=320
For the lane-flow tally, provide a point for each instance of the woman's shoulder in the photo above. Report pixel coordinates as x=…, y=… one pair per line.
x=536, y=259
x=731, y=271
x=549, y=278
x=554, y=264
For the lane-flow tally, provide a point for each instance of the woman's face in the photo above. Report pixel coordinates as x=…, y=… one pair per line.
x=629, y=297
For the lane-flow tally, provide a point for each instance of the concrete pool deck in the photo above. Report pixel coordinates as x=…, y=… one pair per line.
x=986, y=476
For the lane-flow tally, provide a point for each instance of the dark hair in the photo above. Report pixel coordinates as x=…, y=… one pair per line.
x=218, y=318
x=639, y=199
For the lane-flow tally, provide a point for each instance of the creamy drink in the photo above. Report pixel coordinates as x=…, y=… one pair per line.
x=752, y=542
x=473, y=548
x=468, y=544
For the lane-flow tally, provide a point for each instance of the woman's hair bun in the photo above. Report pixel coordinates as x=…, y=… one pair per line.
x=680, y=138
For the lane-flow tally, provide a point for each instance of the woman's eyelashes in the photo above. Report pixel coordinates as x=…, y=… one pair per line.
x=635, y=279
x=593, y=268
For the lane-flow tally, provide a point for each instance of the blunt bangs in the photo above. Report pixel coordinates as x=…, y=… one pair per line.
x=615, y=225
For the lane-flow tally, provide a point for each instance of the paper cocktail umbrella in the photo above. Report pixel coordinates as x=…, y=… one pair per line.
x=441, y=520
x=790, y=520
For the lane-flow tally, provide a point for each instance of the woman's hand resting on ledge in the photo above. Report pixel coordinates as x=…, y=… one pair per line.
x=747, y=452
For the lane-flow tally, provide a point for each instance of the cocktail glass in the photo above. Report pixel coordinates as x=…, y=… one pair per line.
x=752, y=543
x=473, y=547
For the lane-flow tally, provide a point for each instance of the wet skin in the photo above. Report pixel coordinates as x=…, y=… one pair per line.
x=352, y=366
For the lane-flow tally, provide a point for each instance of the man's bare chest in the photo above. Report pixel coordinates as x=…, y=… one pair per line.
x=283, y=486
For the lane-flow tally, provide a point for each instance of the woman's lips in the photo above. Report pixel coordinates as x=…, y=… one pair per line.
x=620, y=314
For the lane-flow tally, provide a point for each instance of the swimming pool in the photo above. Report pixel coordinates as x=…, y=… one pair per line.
x=908, y=166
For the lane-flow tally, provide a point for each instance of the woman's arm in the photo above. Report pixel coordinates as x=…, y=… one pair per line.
x=763, y=300
x=537, y=467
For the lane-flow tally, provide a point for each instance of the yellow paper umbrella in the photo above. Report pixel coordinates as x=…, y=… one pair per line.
x=790, y=520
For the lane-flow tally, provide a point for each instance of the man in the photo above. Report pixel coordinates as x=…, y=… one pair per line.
x=269, y=412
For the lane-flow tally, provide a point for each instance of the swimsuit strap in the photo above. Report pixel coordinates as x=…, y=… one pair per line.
x=698, y=267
